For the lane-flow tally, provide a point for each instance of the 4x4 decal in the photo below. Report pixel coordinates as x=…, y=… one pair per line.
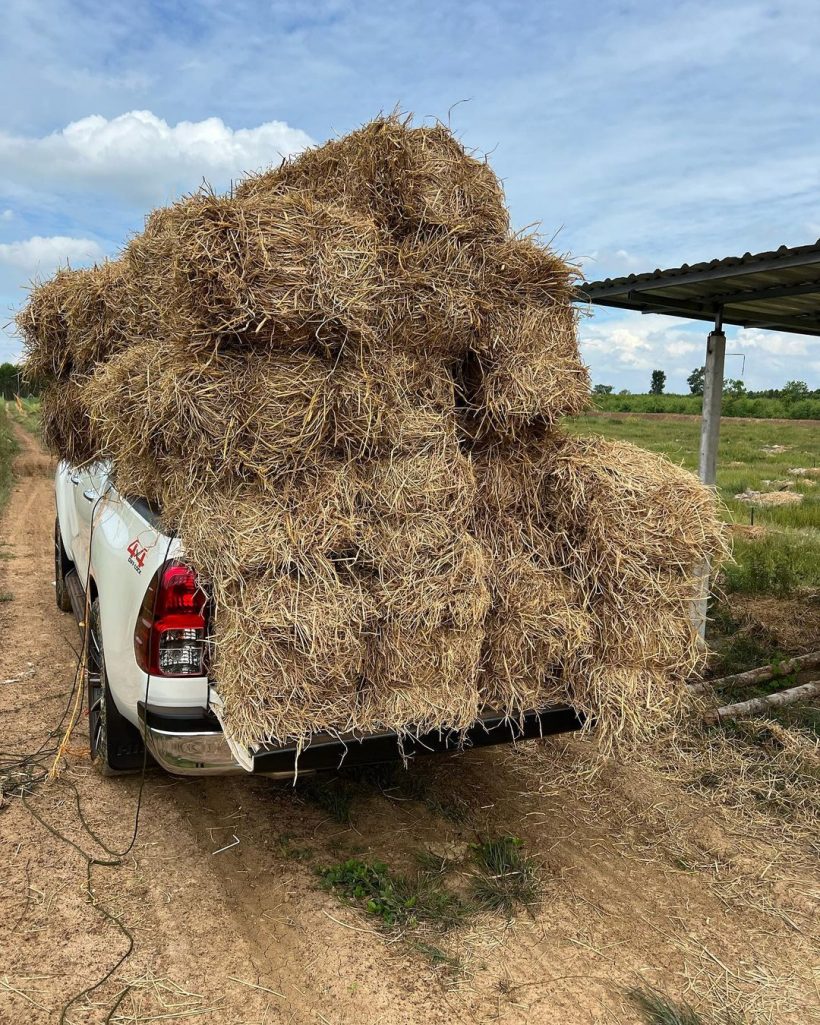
x=136, y=555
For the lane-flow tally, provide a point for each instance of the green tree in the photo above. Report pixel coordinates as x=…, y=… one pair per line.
x=695, y=380
x=794, y=390
x=602, y=389
x=9, y=380
x=734, y=386
x=658, y=382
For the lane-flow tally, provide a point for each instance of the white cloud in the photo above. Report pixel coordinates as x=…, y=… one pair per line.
x=622, y=348
x=141, y=157
x=6, y=215
x=41, y=256
x=774, y=342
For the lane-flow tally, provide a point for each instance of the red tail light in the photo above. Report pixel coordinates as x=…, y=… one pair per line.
x=169, y=639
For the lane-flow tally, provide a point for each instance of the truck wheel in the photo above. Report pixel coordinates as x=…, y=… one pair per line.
x=62, y=564
x=116, y=746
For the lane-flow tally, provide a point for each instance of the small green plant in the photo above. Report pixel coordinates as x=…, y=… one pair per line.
x=771, y=566
x=505, y=877
x=8, y=448
x=659, y=1010
x=6, y=596
x=396, y=899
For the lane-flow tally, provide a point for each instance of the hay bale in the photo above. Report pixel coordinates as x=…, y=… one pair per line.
x=538, y=627
x=98, y=309
x=529, y=370
x=407, y=178
x=231, y=413
x=440, y=288
x=512, y=473
x=390, y=401
x=283, y=271
x=624, y=531
x=629, y=513
x=423, y=573
x=65, y=422
x=289, y=651
x=418, y=485
x=43, y=324
x=248, y=415
x=304, y=519
x=421, y=680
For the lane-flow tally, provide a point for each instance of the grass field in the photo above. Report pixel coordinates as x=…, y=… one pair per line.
x=741, y=405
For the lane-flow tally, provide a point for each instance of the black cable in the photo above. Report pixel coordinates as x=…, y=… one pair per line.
x=115, y=857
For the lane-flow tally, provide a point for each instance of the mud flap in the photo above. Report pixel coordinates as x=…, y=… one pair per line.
x=241, y=752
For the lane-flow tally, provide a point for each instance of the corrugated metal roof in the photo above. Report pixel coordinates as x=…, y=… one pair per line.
x=778, y=290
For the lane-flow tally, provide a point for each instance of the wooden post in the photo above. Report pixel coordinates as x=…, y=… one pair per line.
x=709, y=437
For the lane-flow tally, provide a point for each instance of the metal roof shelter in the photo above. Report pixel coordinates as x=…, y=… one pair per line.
x=779, y=291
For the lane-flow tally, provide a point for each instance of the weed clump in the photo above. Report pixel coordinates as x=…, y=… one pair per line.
x=398, y=900
x=505, y=878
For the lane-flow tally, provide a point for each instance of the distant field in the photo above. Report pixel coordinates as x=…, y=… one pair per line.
x=777, y=409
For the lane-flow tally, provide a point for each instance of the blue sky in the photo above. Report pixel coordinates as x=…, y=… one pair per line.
x=639, y=134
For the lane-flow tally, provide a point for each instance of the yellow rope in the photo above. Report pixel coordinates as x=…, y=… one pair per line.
x=56, y=767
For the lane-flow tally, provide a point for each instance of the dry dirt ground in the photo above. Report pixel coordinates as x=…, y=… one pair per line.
x=646, y=881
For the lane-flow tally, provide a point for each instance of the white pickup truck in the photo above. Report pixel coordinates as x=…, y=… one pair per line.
x=146, y=674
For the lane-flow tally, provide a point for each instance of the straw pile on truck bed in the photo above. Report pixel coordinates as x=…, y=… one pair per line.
x=343, y=384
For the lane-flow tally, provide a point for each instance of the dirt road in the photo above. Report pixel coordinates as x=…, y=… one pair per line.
x=645, y=882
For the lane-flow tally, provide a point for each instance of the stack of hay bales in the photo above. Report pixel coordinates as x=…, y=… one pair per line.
x=343, y=385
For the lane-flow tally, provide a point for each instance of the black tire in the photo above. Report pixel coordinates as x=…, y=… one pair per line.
x=116, y=745
x=62, y=565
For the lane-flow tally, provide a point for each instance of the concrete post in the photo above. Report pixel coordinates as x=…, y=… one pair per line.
x=709, y=437
x=712, y=399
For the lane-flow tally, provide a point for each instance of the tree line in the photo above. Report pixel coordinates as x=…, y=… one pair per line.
x=791, y=391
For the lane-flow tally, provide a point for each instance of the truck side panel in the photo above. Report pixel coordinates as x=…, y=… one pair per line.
x=126, y=552
x=66, y=514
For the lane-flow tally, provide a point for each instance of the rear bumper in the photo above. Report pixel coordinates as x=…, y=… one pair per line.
x=190, y=742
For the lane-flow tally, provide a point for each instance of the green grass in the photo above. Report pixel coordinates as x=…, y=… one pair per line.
x=743, y=406
x=780, y=564
x=657, y=1009
x=505, y=878
x=397, y=900
x=8, y=447
x=502, y=879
